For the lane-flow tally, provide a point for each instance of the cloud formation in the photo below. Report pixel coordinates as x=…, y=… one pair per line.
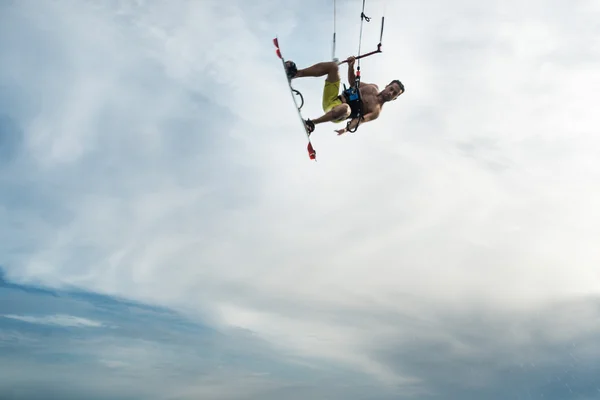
x=60, y=320
x=151, y=152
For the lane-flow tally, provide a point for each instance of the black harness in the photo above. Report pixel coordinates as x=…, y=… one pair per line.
x=352, y=95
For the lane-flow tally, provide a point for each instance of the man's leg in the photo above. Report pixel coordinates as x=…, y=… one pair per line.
x=333, y=107
x=329, y=68
x=337, y=113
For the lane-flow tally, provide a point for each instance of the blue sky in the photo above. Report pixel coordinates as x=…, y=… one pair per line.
x=165, y=236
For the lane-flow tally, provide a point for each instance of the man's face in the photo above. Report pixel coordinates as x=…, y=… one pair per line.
x=391, y=92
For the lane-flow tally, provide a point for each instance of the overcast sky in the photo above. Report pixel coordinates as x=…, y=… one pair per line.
x=155, y=184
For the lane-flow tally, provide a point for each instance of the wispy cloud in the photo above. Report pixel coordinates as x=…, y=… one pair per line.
x=60, y=320
x=150, y=151
x=149, y=352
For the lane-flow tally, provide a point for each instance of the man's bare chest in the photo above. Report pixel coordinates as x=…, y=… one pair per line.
x=369, y=99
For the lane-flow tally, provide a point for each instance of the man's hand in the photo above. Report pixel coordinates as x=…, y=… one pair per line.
x=355, y=121
x=351, y=75
x=348, y=127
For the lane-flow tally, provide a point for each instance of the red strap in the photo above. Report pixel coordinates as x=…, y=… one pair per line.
x=311, y=152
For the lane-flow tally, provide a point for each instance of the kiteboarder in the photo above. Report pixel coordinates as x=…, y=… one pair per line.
x=360, y=103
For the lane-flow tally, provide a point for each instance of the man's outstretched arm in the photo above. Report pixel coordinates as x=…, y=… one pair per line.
x=355, y=122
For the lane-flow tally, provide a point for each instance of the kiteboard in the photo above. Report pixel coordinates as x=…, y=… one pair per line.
x=311, y=151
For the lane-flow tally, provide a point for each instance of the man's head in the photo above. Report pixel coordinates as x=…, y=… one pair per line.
x=393, y=89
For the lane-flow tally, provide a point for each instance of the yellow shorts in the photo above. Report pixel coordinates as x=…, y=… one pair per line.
x=331, y=92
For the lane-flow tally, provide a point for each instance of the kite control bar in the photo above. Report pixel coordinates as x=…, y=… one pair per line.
x=378, y=46
x=364, y=55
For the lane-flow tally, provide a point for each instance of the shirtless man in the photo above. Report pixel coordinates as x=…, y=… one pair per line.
x=338, y=107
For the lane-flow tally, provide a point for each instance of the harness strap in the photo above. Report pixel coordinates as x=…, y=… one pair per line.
x=352, y=95
x=356, y=102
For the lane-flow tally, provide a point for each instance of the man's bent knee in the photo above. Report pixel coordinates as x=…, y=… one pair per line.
x=333, y=71
x=333, y=66
x=341, y=112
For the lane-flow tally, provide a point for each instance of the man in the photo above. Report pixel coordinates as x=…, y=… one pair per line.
x=339, y=107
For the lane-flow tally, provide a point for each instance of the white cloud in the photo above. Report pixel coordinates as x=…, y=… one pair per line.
x=478, y=185
x=58, y=319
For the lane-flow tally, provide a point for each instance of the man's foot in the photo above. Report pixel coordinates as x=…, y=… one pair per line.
x=310, y=126
x=290, y=69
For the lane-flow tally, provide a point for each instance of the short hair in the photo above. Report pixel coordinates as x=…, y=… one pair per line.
x=399, y=84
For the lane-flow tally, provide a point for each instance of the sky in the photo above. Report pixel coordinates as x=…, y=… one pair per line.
x=165, y=235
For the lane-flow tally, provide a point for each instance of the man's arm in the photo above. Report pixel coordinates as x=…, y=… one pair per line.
x=355, y=122
x=351, y=75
